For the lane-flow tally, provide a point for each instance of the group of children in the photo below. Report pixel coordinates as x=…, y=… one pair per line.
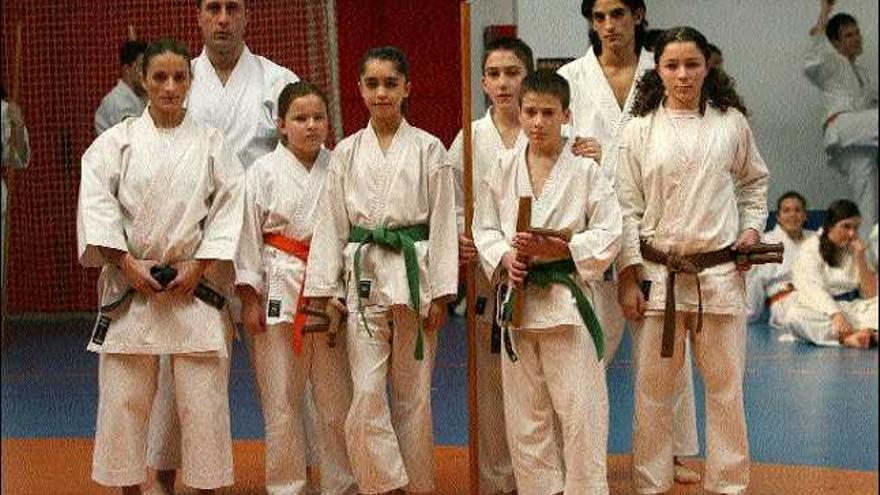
x=345, y=262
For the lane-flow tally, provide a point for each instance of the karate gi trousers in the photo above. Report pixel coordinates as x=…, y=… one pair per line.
x=719, y=352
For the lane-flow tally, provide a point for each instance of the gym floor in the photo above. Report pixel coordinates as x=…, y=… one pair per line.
x=812, y=414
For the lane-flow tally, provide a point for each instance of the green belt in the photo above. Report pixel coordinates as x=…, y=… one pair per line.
x=559, y=272
x=396, y=239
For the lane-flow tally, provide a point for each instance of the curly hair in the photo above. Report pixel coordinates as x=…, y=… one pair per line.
x=718, y=88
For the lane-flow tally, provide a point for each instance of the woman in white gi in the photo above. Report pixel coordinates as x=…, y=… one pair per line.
x=603, y=89
x=691, y=184
x=282, y=191
x=386, y=242
x=161, y=190
x=836, y=284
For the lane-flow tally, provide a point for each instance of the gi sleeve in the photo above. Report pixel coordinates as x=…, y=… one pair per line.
x=222, y=225
x=443, y=240
x=325, y=268
x=248, y=259
x=594, y=249
x=750, y=177
x=808, y=277
x=456, y=159
x=99, y=219
x=631, y=197
x=489, y=236
x=819, y=61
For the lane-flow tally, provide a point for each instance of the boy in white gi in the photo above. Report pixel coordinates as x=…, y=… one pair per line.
x=770, y=285
x=386, y=242
x=126, y=99
x=160, y=211
x=850, y=98
x=693, y=188
x=836, y=285
x=282, y=191
x=506, y=62
x=603, y=87
x=552, y=367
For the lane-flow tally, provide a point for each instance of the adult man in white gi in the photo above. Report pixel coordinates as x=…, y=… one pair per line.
x=602, y=91
x=850, y=99
x=126, y=99
x=770, y=285
x=236, y=92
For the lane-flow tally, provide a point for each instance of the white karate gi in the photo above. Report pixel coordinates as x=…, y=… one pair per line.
x=496, y=470
x=390, y=447
x=13, y=160
x=850, y=121
x=117, y=105
x=817, y=283
x=558, y=375
x=765, y=281
x=595, y=113
x=245, y=108
x=281, y=198
x=690, y=184
x=163, y=195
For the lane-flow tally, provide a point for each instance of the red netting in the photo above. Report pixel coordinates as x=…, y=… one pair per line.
x=68, y=62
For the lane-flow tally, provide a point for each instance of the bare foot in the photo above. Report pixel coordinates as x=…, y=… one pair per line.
x=860, y=339
x=684, y=474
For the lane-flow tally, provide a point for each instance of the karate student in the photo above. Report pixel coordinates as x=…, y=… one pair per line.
x=850, y=98
x=282, y=190
x=506, y=62
x=386, y=242
x=161, y=190
x=234, y=89
x=691, y=184
x=552, y=367
x=16, y=155
x=126, y=99
x=236, y=92
x=603, y=87
x=770, y=285
x=836, y=301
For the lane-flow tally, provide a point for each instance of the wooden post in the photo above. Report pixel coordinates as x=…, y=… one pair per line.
x=470, y=281
x=523, y=223
x=14, y=97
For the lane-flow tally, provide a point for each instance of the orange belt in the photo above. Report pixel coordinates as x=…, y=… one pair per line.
x=299, y=249
x=775, y=298
x=831, y=118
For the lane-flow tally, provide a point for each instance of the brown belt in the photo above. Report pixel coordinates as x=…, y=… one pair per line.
x=694, y=264
x=785, y=292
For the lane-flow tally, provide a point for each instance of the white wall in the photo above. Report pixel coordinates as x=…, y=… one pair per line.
x=763, y=42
